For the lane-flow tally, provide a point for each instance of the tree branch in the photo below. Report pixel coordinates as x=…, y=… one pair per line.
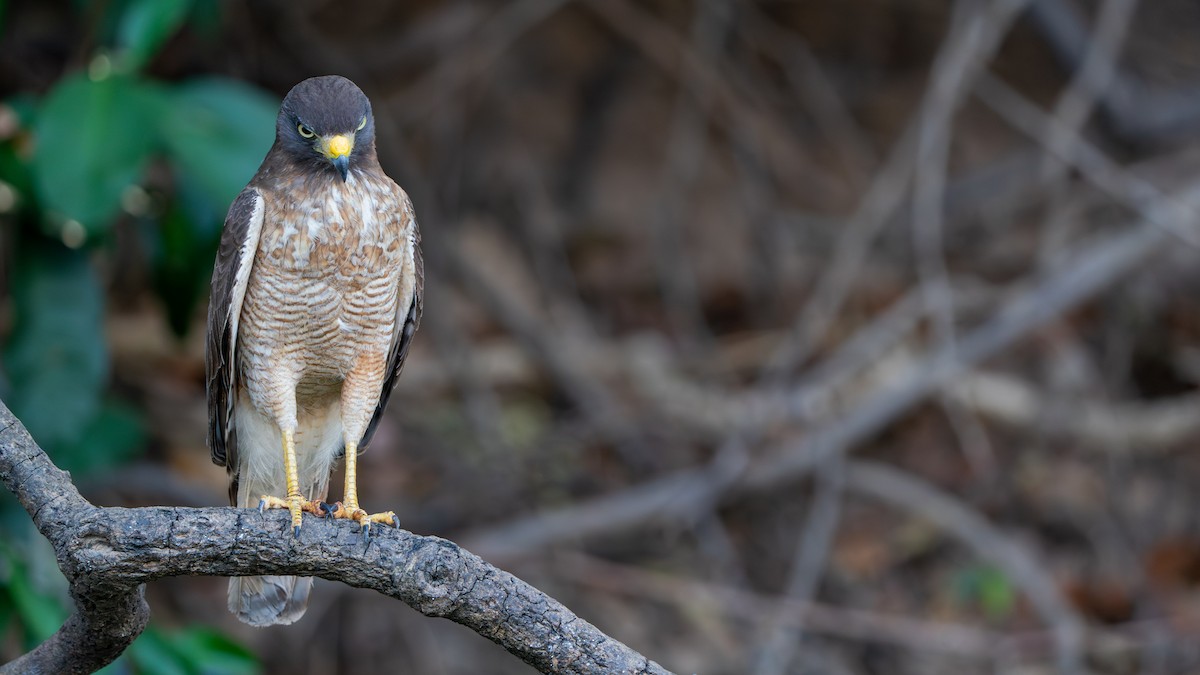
x=107, y=554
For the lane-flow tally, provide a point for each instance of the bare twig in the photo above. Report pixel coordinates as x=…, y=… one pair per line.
x=1133, y=110
x=1096, y=425
x=865, y=626
x=1072, y=111
x=961, y=58
x=551, y=349
x=747, y=606
x=934, y=134
x=499, y=31
x=807, y=76
x=686, y=150
x=1089, y=82
x=1156, y=207
x=732, y=107
x=907, y=492
x=812, y=549
x=480, y=404
x=1092, y=269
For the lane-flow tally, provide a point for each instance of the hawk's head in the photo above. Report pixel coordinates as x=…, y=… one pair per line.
x=326, y=122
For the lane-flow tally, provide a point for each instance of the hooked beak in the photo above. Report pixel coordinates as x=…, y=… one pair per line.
x=337, y=149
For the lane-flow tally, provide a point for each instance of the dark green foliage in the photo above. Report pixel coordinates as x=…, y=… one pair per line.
x=988, y=588
x=180, y=275
x=55, y=357
x=94, y=134
x=78, y=166
x=192, y=651
x=57, y=362
x=216, y=132
x=145, y=26
x=92, y=145
x=36, y=603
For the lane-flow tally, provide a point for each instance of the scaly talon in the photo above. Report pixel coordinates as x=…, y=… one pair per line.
x=350, y=510
x=363, y=518
x=385, y=518
x=295, y=504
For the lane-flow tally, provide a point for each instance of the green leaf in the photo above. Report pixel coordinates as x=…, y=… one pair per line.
x=56, y=357
x=989, y=588
x=204, y=215
x=183, y=254
x=145, y=27
x=208, y=652
x=40, y=614
x=25, y=105
x=31, y=585
x=195, y=651
x=996, y=593
x=113, y=437
x=151, y=652
x=93, y=141
x=118, y=667
x=217, y=132
x=206, y=19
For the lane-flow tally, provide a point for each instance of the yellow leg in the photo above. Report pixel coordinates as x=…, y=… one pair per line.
x=294, y=502
x=349, y=508
x=351, y=492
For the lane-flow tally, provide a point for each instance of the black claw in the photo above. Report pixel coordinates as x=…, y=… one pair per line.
x=295, y=531
x=262, y=507
x=366, y=532
x=328, y=509
x=396, y=521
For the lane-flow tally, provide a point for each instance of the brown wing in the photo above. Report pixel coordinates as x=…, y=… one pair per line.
x=231, y=273
x=408, y=317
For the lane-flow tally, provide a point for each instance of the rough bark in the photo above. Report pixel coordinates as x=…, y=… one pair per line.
x=107, y=554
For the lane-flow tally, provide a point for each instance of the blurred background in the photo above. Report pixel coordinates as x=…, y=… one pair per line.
x=812, y=336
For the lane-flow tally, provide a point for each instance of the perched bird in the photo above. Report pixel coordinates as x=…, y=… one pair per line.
x=316, y=295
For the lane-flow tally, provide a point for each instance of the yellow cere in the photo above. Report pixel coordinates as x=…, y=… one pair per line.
x=339, y=146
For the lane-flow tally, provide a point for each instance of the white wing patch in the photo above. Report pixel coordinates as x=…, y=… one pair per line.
x=242, y=280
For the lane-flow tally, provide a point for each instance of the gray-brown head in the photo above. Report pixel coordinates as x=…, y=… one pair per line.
x=325, y=123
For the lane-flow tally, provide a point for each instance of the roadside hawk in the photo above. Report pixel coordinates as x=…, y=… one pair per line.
x=316, y=295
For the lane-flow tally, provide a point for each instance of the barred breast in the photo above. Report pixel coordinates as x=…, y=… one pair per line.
x=323, y=292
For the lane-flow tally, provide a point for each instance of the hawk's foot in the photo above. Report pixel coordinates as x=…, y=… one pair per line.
x=295, y=504
x=364, y=519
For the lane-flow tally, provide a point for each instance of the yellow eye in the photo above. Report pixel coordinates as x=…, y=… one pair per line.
x=362, y=124
x=305, y=132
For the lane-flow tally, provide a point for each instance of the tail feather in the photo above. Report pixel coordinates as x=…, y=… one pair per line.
x=270, y=600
